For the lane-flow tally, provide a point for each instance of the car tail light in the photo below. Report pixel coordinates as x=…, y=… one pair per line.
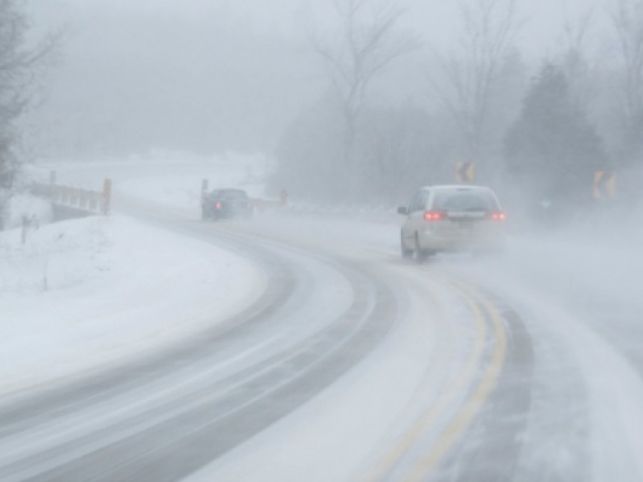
x=434, y=216
x=218, y=205
x=498, y=216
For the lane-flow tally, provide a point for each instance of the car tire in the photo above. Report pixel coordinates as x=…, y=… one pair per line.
x=406, y=252
x=419, y=254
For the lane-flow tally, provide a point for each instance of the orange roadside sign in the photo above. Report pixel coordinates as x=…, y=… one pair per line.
x=604, y=185
x=465, y=172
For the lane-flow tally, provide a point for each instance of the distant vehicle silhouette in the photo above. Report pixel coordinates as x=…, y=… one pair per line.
x=225, y=204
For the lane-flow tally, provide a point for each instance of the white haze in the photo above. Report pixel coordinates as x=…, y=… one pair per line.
x=211, y=76
x=197, y=82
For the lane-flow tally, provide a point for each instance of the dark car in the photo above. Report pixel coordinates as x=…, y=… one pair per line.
x=226, y=203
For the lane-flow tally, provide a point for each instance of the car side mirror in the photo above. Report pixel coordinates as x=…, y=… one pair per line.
x=404, y=211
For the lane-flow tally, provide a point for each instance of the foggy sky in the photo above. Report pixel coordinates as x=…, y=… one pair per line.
x=434, y=20
x=215, y=75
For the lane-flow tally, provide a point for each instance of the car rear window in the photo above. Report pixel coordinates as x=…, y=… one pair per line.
x=230, y=195
x=469, y=201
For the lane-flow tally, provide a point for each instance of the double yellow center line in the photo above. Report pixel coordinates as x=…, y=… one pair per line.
x=483, y=310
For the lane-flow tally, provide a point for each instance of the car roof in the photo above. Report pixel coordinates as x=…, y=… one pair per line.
x=228, y=191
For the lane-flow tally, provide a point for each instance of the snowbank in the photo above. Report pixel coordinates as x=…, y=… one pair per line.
x=84, y=293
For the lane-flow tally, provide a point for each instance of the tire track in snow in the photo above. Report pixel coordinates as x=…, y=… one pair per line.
x=173, y=448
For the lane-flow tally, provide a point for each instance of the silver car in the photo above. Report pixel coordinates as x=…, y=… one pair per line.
x=452, y=218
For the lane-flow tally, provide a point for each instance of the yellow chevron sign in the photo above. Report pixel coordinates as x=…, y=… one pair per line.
x=604, y=185
x=465, y=172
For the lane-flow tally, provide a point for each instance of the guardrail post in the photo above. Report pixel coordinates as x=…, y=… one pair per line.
x=107, y=196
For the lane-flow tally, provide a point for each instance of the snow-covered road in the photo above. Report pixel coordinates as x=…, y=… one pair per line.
x=354, y=365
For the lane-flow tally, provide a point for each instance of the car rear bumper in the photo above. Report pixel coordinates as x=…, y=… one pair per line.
x=431, y=241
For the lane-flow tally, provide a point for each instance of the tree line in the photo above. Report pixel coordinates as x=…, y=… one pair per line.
x=539, y=129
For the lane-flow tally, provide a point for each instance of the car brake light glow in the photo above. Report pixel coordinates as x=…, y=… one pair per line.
x=434, y=216
x=498, y=216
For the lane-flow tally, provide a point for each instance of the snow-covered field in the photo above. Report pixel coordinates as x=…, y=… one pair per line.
x=83, y=293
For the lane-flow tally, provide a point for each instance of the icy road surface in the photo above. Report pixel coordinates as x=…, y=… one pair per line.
x=353, y=365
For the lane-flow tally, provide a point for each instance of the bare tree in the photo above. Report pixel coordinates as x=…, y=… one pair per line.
x=470, y=72
x=19, y=63
x=579, y=71
x=627, y=19
x=365, y=44
x=576, y=30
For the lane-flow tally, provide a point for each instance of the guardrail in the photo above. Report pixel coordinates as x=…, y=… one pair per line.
x=84, y=200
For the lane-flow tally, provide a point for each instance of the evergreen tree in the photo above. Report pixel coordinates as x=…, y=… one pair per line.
x=552, y=150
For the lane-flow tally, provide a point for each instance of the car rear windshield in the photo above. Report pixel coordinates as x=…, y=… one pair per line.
x=230, y=195
x=465, y=201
